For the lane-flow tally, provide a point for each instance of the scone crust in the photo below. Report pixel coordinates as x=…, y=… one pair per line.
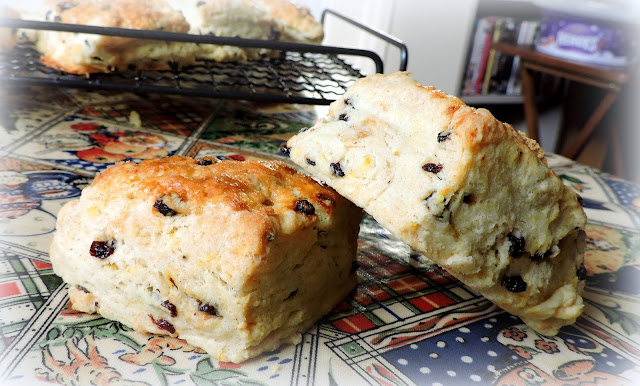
x=466, y=190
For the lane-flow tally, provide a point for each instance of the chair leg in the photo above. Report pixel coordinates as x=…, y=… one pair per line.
x=530, y=107
x=588, y=128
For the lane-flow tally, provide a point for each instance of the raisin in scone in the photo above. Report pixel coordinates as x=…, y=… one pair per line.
x=469, y=192
x=234, y=257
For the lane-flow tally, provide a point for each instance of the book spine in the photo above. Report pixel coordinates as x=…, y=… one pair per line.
x=515, y=67
x=486, y=48
x=502, y=62
x=491, y=61
x=475, y=56
x=528, y=40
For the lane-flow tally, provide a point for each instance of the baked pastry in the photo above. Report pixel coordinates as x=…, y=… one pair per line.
x=249, y=19
x=469, y=192
x=88, y=53
x=234, y=257
x=25, y=10
x=8, y=36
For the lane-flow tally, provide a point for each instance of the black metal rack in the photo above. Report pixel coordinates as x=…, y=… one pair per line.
x=304, y=73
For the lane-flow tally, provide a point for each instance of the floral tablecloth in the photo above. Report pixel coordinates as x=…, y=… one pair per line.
x=408, y=322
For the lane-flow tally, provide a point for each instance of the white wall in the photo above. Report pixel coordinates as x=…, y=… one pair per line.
x=437, y=35
x=376, y=14
x=435, y=32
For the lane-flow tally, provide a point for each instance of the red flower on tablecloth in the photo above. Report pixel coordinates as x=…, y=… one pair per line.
x=119, y=146
x=521, y=351
x=546, y=346
x=102, y=139
x=88, y=127
x=91, y=112
x=514, y=333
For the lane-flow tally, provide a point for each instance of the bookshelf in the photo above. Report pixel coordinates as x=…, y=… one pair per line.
x=491, y=76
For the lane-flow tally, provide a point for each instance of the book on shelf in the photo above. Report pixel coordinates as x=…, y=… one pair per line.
x=497, y=31
x=478, y=56
x=499, y=65
x=526, y=36
x=489, y=71
x=488, y=32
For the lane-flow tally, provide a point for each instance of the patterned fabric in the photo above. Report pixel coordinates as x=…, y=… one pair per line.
x=408, y=322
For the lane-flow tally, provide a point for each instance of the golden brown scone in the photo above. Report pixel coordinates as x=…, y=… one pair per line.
x=234, y=257
x=89, y=53
x=469, y=192
x=26, y=10
x=249, y=19
x=8, y=36
x=294, y=21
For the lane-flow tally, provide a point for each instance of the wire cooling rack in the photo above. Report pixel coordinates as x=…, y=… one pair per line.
x=308, y=74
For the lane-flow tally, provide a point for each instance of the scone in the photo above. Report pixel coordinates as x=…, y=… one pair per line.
x=248, y=19
x=235, y=257
x=469, y=192
x=89, y=53
x=8, y=36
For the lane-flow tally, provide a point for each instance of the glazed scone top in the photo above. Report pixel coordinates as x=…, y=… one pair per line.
x=254, y=186
x=272, y=196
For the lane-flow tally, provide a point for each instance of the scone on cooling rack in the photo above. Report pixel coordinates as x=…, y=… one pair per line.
x=234, y=257
x=249, y=19
x=8, y=36
x=471, y=193
x=89, y=53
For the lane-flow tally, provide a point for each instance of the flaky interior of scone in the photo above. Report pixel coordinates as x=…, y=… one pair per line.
x=236, y=258
x=466, y=190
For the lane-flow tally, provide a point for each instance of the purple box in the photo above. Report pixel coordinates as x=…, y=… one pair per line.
x=584, y=39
